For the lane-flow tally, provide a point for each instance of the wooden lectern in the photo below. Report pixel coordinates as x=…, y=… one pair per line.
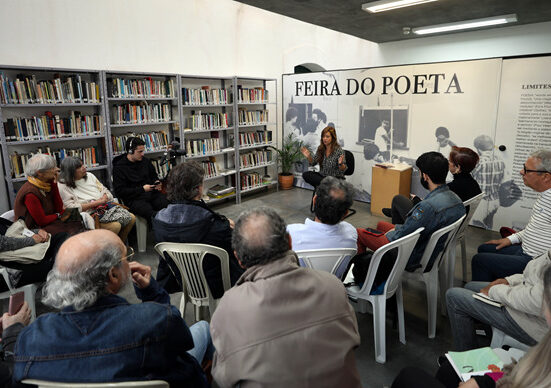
x=388, y=182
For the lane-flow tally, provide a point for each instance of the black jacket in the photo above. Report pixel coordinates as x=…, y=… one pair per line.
x=195, y=222
x=129, y=178
x=465, y=186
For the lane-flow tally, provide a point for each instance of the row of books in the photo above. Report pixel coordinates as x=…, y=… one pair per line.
x=250, y=180
x=248, y=117
x=52, y=126
x=26, y=89
x=202, y=146
x=141, y=113
x=162, y=169
x=220, y=191
x=206, y=96
x=254, y=95
x=255, y=138
x=90, y=157
x=211, y=168
x=154, y=141
x=207, y=121
x=141, y=88
x=255, y=158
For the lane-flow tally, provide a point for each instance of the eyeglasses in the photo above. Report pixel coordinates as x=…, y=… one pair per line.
x=526, y=171
x=129, y=255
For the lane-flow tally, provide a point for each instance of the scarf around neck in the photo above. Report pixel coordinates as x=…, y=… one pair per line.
x=40, y=184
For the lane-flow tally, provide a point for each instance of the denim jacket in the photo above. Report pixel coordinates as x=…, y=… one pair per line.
x=111, y=341
x=440, y=208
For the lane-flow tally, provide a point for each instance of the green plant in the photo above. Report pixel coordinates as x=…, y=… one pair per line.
x=289, y=153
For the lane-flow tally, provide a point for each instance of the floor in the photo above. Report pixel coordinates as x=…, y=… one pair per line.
x=294, y=206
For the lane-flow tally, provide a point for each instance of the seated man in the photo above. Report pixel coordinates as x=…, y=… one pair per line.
x=521, y=295
x=441, y=207
x=136, y=182
x=328, y=230
x=189, y=220
x=98, y=336
x=507, y=256
x=281, y=325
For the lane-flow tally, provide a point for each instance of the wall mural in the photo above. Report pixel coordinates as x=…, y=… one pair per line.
x=394, y=114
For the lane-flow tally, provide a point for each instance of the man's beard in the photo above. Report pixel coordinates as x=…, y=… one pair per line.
x=424, y=183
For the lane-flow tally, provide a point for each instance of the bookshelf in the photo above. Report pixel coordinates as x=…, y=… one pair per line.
x=208, y=130
x=52, y=110
x=256, y=111
x=144, y=105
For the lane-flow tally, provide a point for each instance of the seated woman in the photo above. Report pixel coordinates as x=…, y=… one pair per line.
x=81, y=190
x=38, y=201
x=462, y=161
x=329, y=155
x=26, y=266
x=188, y=219
x=532, y=371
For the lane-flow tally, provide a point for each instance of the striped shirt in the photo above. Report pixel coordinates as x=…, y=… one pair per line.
x=536, y=237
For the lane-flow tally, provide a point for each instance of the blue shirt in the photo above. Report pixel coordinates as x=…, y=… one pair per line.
x=441, y=207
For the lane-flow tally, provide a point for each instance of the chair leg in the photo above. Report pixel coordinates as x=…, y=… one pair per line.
x=351, y=212
x=400, y=306
x=197, y=313
x=312, y=201
x=464, y=259
x=432, y=303
x=183, y=303
x=379, y=321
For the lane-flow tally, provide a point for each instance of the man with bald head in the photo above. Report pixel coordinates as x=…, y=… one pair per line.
x=98, y=336
x=281, y=325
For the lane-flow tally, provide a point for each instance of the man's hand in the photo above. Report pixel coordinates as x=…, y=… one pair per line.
x=45, y=235
x=486, y=289
x=501, y=243
x=232, y=223
x=22, y=316
x=148, y=188
x=141, y=274
x=39, y=239
x=158, y=186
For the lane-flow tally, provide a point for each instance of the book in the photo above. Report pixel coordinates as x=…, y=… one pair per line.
x=476, y=362
x=217, y=190
x=486, y=299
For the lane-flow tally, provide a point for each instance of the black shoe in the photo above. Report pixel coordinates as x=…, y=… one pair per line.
x=441, y=360
x=387, y=212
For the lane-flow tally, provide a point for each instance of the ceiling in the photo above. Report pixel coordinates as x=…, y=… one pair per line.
x=347, y=16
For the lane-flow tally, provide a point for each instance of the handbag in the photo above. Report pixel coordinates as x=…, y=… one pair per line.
x=112, y=212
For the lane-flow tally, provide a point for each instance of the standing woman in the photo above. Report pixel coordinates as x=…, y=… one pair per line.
x=330, y=157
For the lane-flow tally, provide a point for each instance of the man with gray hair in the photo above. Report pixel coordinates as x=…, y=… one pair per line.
x=98, y=336
x=332, y=202
x=497, y=259
x=281, y=325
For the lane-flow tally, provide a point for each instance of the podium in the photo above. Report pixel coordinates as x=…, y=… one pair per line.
x=388, y=182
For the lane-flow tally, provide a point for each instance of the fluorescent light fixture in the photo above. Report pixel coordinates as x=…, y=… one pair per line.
x=466, y=24
x=386, y=5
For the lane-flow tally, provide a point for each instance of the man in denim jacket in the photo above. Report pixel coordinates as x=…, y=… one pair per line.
x=100, y=337
x=441, y=207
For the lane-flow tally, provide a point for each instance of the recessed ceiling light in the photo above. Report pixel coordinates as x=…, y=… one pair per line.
x=466, y=24
x=386, y=5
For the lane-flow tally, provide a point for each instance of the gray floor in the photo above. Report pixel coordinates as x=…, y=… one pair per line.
x=294, y=206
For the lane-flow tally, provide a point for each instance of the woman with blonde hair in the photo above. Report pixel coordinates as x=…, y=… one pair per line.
x=329, y=155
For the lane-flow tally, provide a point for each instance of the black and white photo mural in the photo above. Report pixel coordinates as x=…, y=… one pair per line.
x=394, y=114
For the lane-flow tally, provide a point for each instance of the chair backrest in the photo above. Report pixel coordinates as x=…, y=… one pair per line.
x=470, y=204
x=350, y=163
x=122, y=384
x=405, y=246
x=9, y=215
x=328, y=260
x=451, y=231
x=189, y=260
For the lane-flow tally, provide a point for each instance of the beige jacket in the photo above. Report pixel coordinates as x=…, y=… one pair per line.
x=285, y=326
x=523, y=297
x=86, y=191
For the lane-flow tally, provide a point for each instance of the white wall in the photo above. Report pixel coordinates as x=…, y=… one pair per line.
x=499, y=42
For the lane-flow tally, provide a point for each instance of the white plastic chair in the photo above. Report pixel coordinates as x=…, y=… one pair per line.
x=333, y=260
x=431, y=278
x=393, y=285
x=460, y=238
x=29, y=290
x=123, y=384
x=189, y=260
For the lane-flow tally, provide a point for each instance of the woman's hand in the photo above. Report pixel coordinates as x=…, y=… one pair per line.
x=305, y=152
x=102, y=201
x=341, y=159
